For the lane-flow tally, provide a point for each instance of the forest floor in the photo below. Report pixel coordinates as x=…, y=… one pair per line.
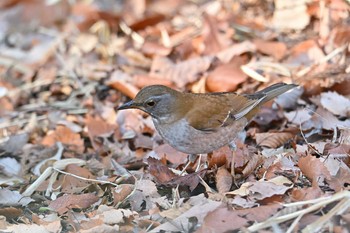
x=69, y=162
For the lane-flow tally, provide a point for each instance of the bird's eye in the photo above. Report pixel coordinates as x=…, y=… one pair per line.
x=150, y=103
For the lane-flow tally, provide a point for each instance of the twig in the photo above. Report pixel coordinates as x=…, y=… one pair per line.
x=335, y=52
x=320, y=202
x=83, y=178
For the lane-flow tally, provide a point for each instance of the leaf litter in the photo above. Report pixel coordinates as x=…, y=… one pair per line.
x=69, y=162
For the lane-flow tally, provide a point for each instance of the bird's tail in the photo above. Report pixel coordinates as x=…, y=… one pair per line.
x=274, y=90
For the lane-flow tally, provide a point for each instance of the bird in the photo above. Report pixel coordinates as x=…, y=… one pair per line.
x=199, y=123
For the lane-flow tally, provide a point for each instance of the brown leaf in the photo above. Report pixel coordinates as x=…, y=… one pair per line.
x=66, y=202
x=275, y=49
x=121, y=192
x=160, y=171
x=182, y=73
x=11, y=213
x=63, y=134
x=220, y=157
x=273, y=140
x=147, y=22
x=307, y=193
x=224, y=219
x=70, y=184
x=173, y=156
x=252, y=164
x=341, y=180
x=226, y=77
x=155, y=49
x=165, y=176
x=313, y=168
x=190, y=180
x=125, y=88
x=98, y=128
x=223, y=180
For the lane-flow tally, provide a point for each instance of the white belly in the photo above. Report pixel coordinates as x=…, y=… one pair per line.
x=192, y=141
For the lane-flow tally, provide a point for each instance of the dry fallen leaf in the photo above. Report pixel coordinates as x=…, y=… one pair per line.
x=181, y=73
x=224, y=180
x=273, y=140
x=313, y=169
x=63, y=134
x=290, y=14
x=226, y=77
x=66, y=202
x=224, y=219
x=336, y=104
x=98, y=128
x=275, y=49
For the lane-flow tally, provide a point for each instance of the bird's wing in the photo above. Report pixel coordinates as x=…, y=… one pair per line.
x=219, y=112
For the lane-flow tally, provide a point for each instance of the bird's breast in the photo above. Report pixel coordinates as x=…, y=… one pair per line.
x=183, y=137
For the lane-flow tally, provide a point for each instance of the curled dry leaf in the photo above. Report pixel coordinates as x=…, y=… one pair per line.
x=223, y=180
x=273, y=140
x=252, y=164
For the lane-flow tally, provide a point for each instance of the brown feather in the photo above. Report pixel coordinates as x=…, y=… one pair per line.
x=213, y=111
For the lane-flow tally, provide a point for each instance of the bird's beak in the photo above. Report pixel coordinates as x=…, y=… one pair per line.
x=130, y=104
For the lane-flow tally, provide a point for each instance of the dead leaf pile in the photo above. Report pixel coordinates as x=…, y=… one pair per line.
x=69, y=162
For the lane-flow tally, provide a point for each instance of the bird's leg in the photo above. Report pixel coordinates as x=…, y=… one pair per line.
x=233, y=148
x=199, y=163
x=176, y=196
